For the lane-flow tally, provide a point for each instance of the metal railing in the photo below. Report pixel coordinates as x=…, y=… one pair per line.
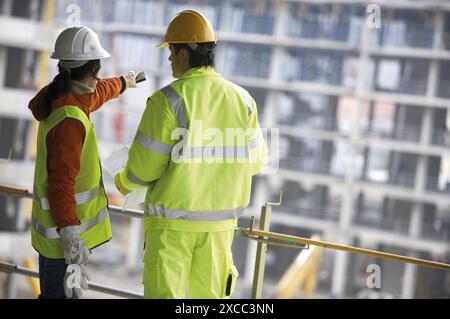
x=11, y=268
x=259, y=263
x=261, y=235
x=16, y=269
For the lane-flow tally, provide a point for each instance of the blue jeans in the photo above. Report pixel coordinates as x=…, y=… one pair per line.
x=51, y=278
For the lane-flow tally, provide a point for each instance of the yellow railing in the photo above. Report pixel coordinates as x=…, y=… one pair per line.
x=262, y=236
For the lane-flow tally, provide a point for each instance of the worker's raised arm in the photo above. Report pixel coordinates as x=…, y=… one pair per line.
x=106, y=90
x=111, y=88
x=150, y=151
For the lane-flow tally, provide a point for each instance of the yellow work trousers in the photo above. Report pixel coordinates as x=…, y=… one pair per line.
x=197, y=265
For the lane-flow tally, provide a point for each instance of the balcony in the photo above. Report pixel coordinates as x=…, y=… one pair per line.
x=311, y=28
x=401, y=34
x=409, y=133
x=441, y=137
x=387, y=224
x=444, y=88
x=318, y=212
x=446, y=40
x=326, y=23
x=310, y=65
x=241, y=18
x=307, y=120
x=408, y=86
x=413, y=28
x=244, y=60
x=438, y=185
x=436, y=231
x=307, y=166
x=397, y=179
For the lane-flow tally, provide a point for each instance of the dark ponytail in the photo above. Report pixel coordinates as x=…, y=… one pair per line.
x=62, y=83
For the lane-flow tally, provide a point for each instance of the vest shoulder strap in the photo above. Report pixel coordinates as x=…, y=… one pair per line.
x=67, y=111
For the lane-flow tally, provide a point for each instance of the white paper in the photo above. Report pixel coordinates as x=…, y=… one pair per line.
x=116, y=161
x=114, y=164
x=135, y=197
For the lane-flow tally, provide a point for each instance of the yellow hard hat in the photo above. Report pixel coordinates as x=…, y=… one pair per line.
x=188, y=26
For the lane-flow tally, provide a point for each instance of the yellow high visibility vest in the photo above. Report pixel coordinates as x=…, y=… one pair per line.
x=197, y=178
x=91, y=200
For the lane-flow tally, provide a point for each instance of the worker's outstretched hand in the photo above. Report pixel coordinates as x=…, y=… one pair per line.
x=130, y=78
x=134, y=77
x=122, y=189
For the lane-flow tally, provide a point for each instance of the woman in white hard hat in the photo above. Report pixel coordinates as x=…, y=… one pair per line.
x=69, y=214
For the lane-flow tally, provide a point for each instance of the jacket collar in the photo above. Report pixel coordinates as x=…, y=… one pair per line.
x=81, y=88
x=199, y=71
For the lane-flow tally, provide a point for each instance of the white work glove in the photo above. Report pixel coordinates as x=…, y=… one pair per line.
x=133, y=77
x=130, y=79
x=76, y=256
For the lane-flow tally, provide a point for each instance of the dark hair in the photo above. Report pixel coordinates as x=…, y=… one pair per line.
x=62, y=82
x=196, y=59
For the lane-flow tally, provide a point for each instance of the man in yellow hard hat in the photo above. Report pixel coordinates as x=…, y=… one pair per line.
x=198, y=182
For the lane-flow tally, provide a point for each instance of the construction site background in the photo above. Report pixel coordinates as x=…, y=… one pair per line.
x=364, y=122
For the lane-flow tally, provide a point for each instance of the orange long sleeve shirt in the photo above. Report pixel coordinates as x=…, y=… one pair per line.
x=64, y=144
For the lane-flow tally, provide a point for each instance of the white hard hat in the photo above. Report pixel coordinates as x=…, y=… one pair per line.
x=78, y=45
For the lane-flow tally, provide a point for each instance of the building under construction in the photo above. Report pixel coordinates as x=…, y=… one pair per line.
x=364, y=133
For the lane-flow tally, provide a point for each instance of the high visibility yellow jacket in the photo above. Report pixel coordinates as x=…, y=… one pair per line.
x=91, y=201
x=196, y=149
